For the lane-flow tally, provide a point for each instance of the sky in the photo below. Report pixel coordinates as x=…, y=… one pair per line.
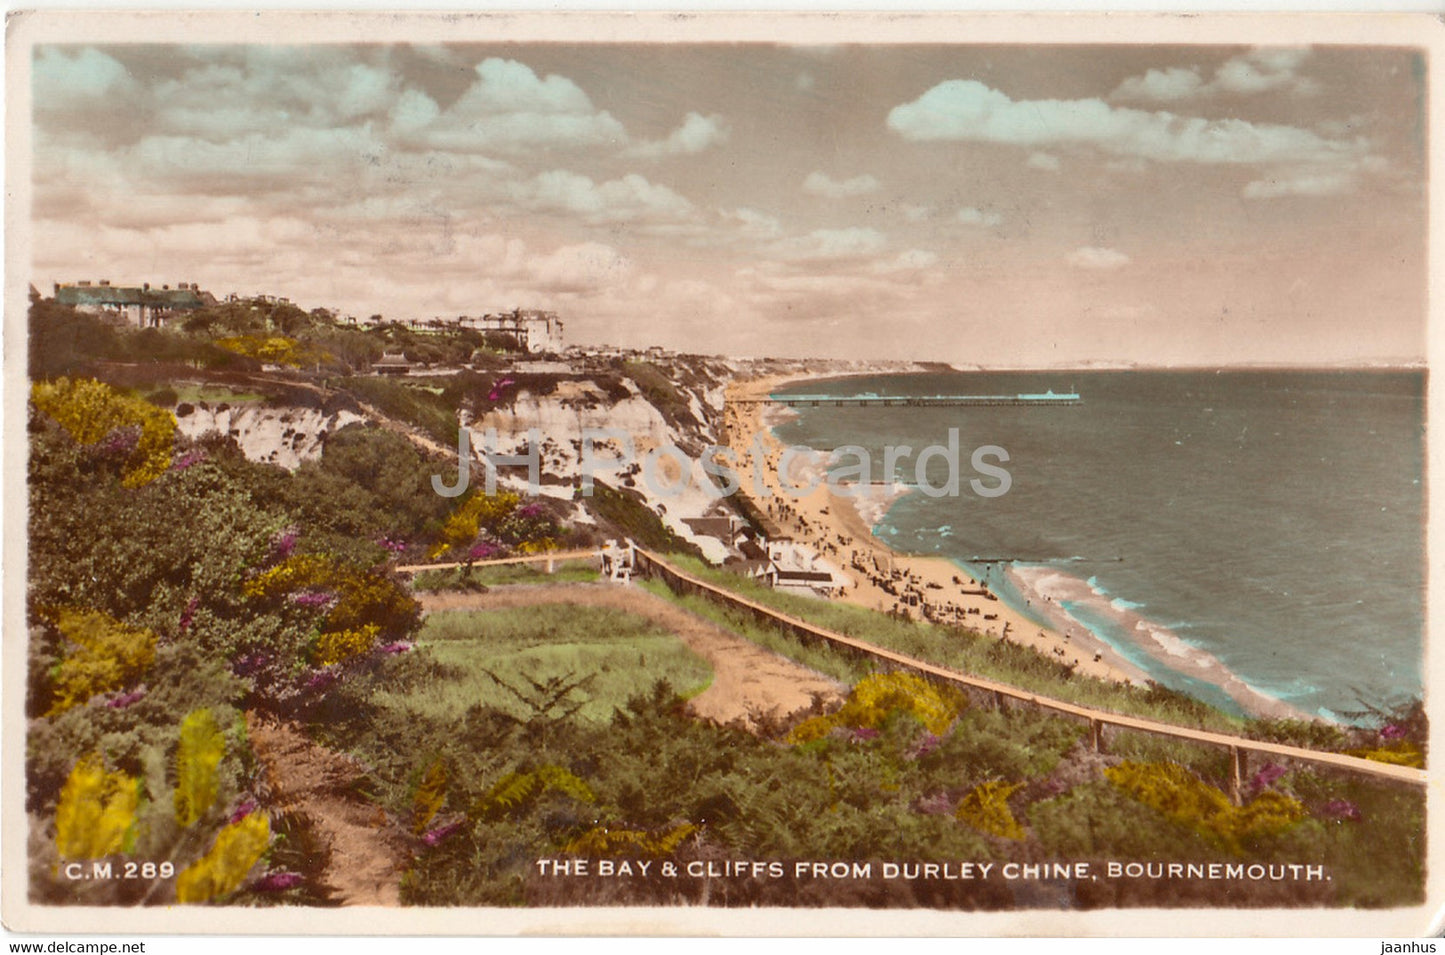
x=1005, y=206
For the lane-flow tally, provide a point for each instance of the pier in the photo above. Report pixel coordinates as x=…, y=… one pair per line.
x=1048, y=399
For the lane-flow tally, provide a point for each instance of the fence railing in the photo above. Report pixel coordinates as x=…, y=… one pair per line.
x=1238, y=746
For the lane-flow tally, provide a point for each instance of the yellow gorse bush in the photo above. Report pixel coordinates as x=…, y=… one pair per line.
x=96, y=811
x=1401, y=753
x=108, y=655
x=365, y=605
x=198, y=758
x=89, y=410
x=986, y=809
x=218, y=873
x=1175, y=792
x=875, y=697
x=338, y=646
x=300, y=572
x=478, y=511
x=274, y=350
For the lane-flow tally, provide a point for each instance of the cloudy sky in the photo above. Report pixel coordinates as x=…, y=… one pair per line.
x=977, y=204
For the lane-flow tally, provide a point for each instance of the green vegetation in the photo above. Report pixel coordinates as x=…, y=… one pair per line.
x=649, y=781
x=475, y=578
x=625, y=511
x=505, y=659
x=416, y=405
x=659, y=390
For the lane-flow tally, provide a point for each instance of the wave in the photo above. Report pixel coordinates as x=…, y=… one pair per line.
x=1157, y=649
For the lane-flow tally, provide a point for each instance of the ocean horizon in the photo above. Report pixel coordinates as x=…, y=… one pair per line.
x=1242, y=536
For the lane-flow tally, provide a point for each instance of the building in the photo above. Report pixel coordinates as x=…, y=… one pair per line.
x=391, y=364
x=535, y=330
x=142, y=306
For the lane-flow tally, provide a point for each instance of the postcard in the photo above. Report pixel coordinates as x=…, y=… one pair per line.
x=746, y=474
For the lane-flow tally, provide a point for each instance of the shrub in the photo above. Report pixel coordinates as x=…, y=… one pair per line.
x=109, y=656
x=430, y=793
x=218, y=873
x=338, y=646
x=1175, y=792
x=274, y=350
x=90, y=411
x=198, y=757
x=986, y=809
x=96, y=814
x=874, y=698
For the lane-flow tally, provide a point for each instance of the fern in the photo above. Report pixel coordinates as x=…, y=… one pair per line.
x=603, y=841
x=96, y=811
x=197, y=759
x=218, y=873
x=517, y=792
x=430, y=793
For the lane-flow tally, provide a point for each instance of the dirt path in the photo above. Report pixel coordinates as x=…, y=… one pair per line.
x=366, y=854
x=747, y=679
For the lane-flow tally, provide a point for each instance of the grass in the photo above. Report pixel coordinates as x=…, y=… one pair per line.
x=610, y=654
x=830, y=662
x=211, y=394
x=460, y=578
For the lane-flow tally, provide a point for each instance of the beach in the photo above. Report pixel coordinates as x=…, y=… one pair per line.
x=838, y=528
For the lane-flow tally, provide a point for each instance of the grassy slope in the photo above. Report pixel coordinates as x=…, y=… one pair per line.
x=618, y=654
x=565, y=572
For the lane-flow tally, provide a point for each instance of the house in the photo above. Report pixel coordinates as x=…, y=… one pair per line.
x=142, y=306
x=534, y=330
x=391, y=364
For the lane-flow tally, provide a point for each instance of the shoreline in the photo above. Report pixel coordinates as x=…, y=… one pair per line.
x=942, y=589
x=922, y=587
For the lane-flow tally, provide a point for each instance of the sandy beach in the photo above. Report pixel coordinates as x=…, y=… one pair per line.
x=922, y=587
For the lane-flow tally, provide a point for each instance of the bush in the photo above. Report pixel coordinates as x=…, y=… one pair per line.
x=1175, y=792
x=92, y=412
x=875, y=698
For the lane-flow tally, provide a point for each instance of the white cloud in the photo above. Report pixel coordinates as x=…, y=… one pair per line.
x=911, y=260
x=821, y=184
x=1046, y=162
x=509, y=107
x=1300, y=184
x=752, y=224
x=851, y=243
x=917, y=213
x=63, y=80
x=967, y=110
x=696, y=134
x=973, y=216
x=1258, y=71
x=1094, y=257
x=1161, y=86
x=629, y=198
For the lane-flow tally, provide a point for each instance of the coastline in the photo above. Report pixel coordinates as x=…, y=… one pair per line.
x=947, y=591
x=833, y=526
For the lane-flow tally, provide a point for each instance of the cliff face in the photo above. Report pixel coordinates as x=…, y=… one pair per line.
x=284, y=435
x=646, y=437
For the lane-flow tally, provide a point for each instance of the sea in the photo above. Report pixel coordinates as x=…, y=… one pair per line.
x=1218, y=529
